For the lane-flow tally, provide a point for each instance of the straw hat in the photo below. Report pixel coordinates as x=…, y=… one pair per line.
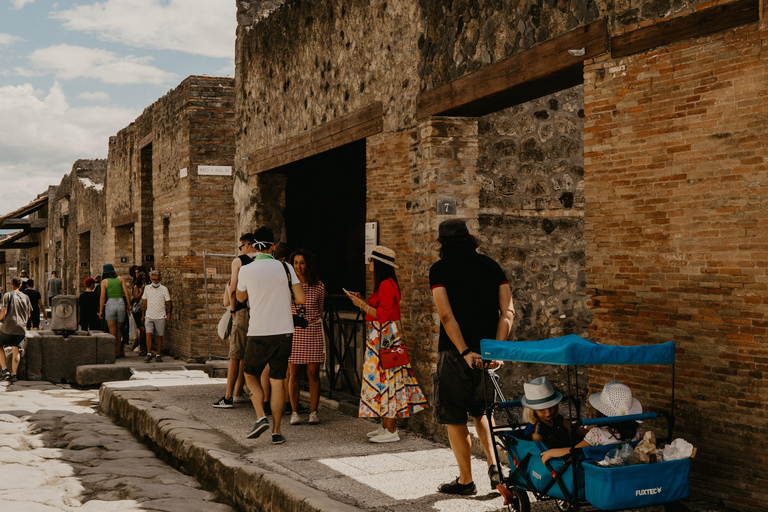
x=615, y=400
x=384, y=255
x=540, y=395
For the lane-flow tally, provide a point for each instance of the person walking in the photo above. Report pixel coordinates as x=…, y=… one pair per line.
x=88, y=304
x=156, y=310
x=53, y=287
x=37, y=304
x=114, y=293
x=139, y=283
x=474, y=301
x=15, y=312
x=386, y=393
x=240, y=317
x=270, y=329
x=308, y=343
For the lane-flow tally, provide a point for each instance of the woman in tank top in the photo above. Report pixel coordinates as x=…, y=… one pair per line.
x=114, y=292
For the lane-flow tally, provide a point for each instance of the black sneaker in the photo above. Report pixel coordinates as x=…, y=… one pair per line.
x=493, y=474
x=148, y=359
x=224, y=403
x=456, y=488
x=158, y=359
x=259, y=428
x=278, y=438
x=12, y=378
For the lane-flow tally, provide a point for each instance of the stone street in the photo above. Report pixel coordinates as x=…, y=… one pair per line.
x=58, y=454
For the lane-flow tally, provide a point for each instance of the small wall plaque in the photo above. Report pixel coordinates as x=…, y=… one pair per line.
x=183, y=173
x=214, y=170
x=446, y=207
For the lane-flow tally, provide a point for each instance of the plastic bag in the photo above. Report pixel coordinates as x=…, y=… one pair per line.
x=678, y=449
x=132, y=334
x=646, y=450
x=619, y=456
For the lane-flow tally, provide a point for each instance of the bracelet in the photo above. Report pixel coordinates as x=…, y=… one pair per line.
x=466, y=352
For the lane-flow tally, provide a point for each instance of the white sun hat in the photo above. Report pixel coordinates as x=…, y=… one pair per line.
x=384, y=255
x=540, y=395
x=615, y=400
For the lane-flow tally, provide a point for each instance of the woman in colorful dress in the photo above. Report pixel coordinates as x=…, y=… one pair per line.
x=308, y=343
x=386, y=393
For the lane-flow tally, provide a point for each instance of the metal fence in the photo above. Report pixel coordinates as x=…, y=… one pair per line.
x=217, y=269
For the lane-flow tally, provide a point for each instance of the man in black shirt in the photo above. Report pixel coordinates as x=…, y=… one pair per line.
x=37, y=305
x=474, y=301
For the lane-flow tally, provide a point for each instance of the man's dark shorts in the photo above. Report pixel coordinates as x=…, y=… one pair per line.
x=34, y=321
x=273, y=350
x=458, y=390
x=12, y=340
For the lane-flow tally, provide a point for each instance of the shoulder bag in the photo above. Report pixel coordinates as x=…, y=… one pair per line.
x=393, y=357
x=225, y=325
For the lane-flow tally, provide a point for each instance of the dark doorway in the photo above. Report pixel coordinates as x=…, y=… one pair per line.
x=325, y=213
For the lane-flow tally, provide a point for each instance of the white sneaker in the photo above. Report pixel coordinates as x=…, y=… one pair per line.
x=374, y=433
x=386, y=437
x=295, y=419
x=241, y=399
x=313, y=418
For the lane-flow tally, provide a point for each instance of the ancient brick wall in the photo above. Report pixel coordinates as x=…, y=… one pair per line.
x=675, y=168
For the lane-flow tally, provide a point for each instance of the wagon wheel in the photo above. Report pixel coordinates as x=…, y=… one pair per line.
x=563, y=505
x=676, y=506
x=520, y=501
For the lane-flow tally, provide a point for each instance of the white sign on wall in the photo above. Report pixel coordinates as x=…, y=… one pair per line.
x=371, y=238
x=214, y=170
x=183, y=173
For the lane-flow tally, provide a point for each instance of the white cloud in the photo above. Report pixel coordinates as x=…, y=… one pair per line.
x=41, y=136
x=18, y=4
x=8, y=39
x=68, y=62
x=200, y=27
x=99, y=96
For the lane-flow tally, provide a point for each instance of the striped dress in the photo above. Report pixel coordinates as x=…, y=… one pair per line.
x=308, y=343
x=392, y=393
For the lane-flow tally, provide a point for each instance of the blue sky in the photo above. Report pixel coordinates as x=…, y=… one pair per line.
x=74, y=73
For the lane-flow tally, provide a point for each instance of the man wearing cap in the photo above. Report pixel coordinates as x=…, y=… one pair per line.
x=474, y=301
x=15, y=312
x=267, y=285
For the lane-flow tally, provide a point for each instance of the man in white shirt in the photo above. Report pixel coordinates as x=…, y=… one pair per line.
x=156, y=310
x=267, y=284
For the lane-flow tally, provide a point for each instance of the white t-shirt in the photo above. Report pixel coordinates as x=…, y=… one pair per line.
x=268, y=296
x=155, y=298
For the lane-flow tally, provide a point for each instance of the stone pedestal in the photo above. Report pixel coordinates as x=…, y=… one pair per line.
x=50, y=356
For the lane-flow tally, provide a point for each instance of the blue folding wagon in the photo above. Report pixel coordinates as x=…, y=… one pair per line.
x=577, y=480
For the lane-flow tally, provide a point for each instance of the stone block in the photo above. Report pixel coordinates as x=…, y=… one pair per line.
x=62, y=356
x=105, y=348
x=33, y=356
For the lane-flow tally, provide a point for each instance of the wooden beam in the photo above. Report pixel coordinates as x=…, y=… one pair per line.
x=20, y=245
x=125, y=218
x=350, y=128
x=702, y=23
x=26, y=210
x=150, y=137
x=543, y=69
x=9, y=239
x=32, y=225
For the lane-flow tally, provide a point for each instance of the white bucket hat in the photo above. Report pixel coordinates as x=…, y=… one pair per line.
x=540, y=395
x=384, y=255
x=615, y=400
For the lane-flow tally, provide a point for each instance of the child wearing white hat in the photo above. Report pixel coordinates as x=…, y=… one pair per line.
x=615, y=400
x=545, y=424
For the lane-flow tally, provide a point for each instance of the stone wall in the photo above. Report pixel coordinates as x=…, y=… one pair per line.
x=676, y=152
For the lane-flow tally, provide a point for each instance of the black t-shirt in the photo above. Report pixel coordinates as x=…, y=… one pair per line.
x=34, y=298
x=89, y=308
x=472, y=282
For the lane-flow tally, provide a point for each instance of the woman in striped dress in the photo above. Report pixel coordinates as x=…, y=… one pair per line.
x=386, y=393
x=308, y=343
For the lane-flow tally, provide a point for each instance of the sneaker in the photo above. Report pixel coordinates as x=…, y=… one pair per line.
x=242, y=399
x=4, y=374
x=386, y=437
x=224, y=403
x=456, y=488
x=313, y=418
x=158, y=359
x=12, y=378
x=295, y=419
x=493, y=474
x=148, y=359
x=278, y=438
x=374, y=433
x=259, y=428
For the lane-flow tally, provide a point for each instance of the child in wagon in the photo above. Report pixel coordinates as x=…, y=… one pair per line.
x=615, y=400
x=540, y=411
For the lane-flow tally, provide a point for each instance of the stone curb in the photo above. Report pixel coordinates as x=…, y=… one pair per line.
x=208, y=455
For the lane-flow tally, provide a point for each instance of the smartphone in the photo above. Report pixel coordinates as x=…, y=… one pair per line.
x=345, y=291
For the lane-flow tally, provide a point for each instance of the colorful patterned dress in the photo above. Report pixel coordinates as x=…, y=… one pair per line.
x=308, y=343
x=392, y=393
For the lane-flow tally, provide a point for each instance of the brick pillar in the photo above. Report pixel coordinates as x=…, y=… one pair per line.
x=444, y=157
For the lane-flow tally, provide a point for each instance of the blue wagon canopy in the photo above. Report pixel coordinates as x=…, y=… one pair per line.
x=575, y=350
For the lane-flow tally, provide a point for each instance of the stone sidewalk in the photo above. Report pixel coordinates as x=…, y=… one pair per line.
x=326, y=467
x=58, y=454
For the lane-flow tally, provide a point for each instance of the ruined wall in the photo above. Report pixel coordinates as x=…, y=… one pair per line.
x=676, y=145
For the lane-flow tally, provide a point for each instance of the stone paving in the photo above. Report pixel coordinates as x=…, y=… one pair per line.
x=58, y=454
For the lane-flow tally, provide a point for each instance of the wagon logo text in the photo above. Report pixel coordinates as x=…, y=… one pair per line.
x=646, y=492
